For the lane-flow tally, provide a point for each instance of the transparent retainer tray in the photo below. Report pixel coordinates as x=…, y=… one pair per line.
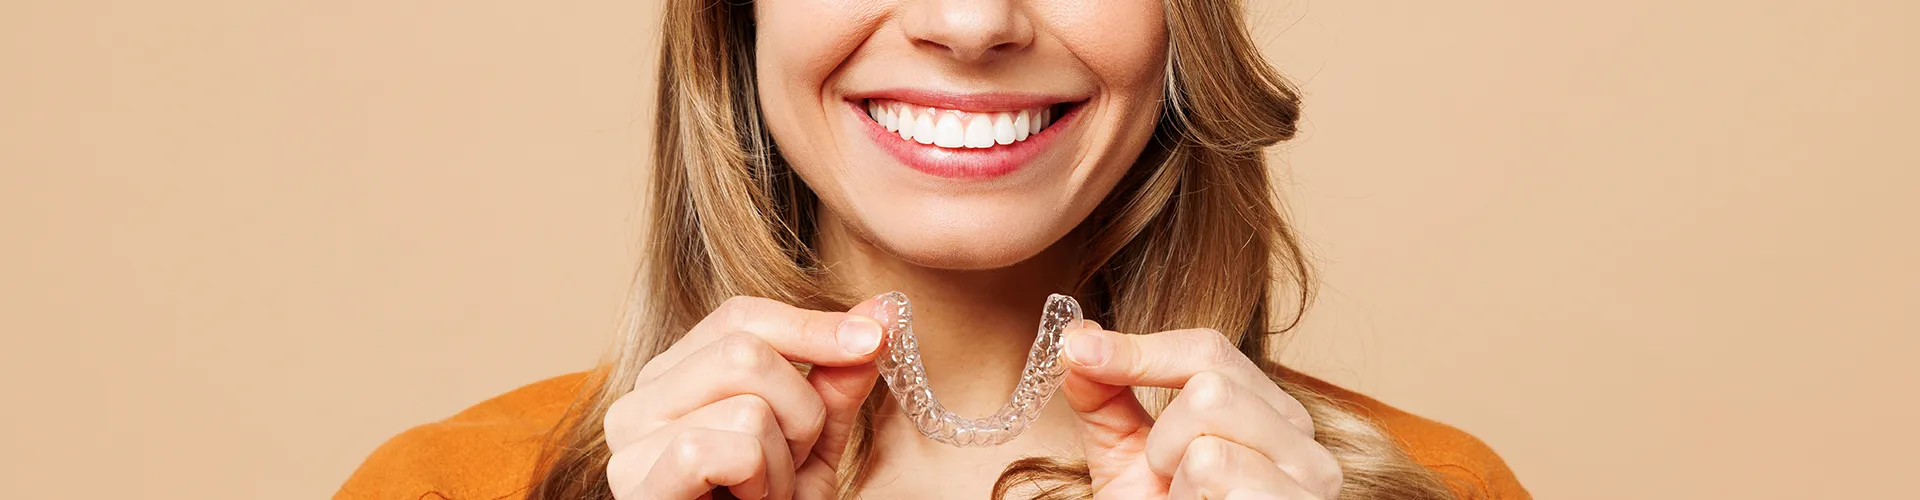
x=907, y=378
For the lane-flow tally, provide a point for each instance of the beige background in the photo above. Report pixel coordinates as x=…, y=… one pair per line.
x=1645, y=249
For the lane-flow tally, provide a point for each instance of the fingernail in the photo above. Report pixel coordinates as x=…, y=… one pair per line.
x=858, y=336
x=1088, y=349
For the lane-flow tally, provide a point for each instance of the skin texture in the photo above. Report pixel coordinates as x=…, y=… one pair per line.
x=725, y=408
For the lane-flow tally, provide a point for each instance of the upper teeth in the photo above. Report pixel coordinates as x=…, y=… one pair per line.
x=958, y=129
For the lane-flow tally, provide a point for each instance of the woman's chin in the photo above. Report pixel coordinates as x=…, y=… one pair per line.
x=954, y=234
x=962, y=251
x=963, y=257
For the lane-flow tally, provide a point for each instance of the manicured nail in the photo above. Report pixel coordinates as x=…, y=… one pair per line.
x=858, y=336
x=1088, y=349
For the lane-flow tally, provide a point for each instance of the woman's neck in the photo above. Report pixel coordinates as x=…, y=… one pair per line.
x=974, y=326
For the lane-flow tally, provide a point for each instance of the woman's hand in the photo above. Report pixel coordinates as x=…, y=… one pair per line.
x=725, y=407
x=1231, y=432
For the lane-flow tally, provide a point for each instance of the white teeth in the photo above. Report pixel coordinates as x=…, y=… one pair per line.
x=923, y=129
x=980, y=132
x=950, y=133
x=958, y=129
x=1002, y=128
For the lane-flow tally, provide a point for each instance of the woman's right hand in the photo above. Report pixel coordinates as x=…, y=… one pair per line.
x=725, y=407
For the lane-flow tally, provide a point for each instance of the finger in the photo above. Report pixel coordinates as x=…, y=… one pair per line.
x=734, y=365
x=1168, y=359
x=817, y=337
x=697, y=460
x=1215, y=469
x=1113, y=425
x=1110, y=409
x=742, y=414
x=1213, y=406
x=1164, y=359
x=842, y=391
x=748, y=414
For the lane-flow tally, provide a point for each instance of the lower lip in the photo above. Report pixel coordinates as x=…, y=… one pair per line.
x=962, y=163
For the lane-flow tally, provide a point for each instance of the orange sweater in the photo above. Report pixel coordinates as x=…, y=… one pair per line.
x=487, y=452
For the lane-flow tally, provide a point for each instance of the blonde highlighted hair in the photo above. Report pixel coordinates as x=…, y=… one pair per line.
x=1193, y=236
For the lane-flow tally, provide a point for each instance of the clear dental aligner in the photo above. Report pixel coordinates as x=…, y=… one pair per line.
x=907, y=378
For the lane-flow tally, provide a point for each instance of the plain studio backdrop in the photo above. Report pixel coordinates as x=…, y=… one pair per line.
x=1646, y=249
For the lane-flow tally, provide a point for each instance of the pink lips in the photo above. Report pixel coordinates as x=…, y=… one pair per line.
x=963, y=163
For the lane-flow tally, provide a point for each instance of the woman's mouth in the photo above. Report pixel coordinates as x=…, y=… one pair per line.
x=963, y=137
x=953, y=129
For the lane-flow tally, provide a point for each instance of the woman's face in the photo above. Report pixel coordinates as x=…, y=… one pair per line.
x=960, y=134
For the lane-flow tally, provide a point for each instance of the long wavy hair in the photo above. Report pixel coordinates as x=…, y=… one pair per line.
x=1192, y=236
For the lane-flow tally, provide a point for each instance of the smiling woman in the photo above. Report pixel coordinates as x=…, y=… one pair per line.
x=976, y=156
x=1089, y=76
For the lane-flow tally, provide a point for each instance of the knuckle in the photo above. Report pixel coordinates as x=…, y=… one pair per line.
x=732, y=303
x=1207, y=391
x=1329, y=475
x=1205, y=454
x=653, y=365
x=1215, y=347
x=624, y=470
x=1303, y=423
x=1331, y=478
x=712, y=452
x=747, y=354
x=750, y=414
x=612, y=425
x=1318, y=471
x=688, y=449
x=739, y=309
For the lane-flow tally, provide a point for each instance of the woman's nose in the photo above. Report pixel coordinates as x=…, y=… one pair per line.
x=967, y=30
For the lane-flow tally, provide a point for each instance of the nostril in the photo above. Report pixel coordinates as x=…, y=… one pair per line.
x=971, y=52
x=969, y=30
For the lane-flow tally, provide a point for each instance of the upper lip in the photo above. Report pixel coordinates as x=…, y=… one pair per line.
x=985, y=102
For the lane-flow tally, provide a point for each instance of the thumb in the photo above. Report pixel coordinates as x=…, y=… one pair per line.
x=1113, y=424
x=842, y=389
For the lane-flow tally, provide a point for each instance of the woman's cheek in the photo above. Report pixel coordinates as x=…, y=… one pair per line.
x=799, y=43
x=798, y=46
x=1123, y=42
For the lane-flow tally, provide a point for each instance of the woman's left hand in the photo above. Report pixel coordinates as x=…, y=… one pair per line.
x=1231, y=433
